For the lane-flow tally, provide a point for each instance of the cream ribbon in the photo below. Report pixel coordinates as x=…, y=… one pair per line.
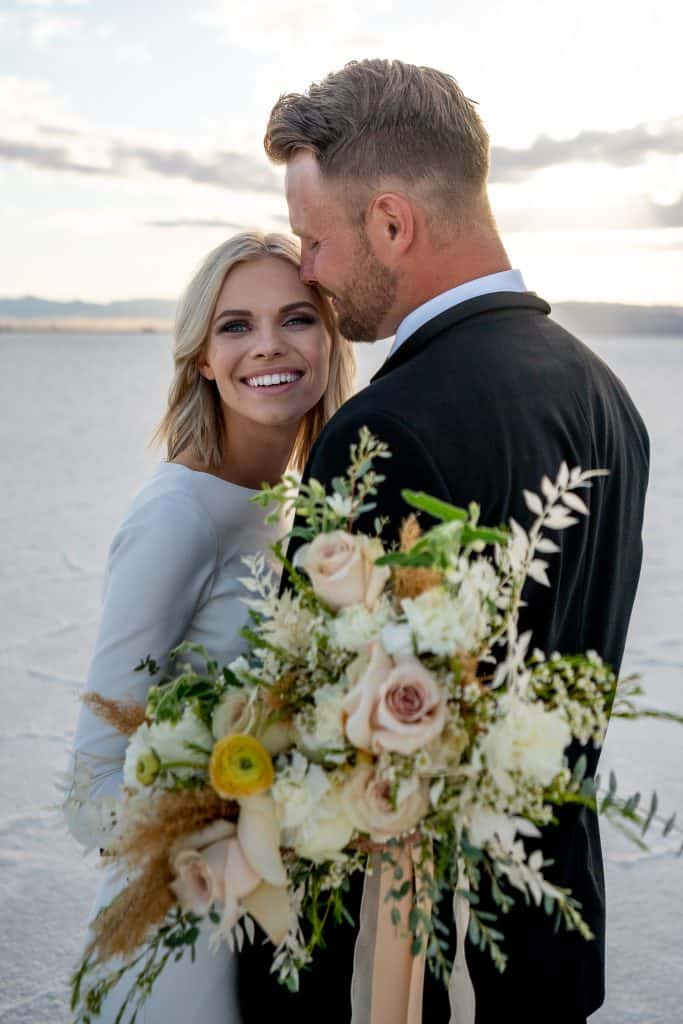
x=388, y=981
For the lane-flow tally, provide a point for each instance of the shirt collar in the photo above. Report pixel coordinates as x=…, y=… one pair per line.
x=503, y=281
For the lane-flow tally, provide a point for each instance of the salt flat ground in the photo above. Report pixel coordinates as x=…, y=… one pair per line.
x=75, y=412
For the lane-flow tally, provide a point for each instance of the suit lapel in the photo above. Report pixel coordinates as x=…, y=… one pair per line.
x=456, y=315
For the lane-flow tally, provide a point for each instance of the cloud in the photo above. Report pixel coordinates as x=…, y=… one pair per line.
x=639, y=213
x=190, y=222
x=232, y=170
x=660, y=216
x=625, y=148
x=52, y=158
x=236, y=171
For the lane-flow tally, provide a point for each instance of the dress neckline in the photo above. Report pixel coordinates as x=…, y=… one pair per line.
x=211, y=476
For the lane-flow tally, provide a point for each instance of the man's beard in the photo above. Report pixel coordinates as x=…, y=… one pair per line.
x=368, y=296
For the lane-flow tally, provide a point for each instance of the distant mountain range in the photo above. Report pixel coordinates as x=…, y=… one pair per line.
x=584, y=318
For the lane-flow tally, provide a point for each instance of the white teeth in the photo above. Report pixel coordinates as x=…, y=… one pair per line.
x=268, y=379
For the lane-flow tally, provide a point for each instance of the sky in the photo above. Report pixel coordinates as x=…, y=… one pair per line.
x=131, y=132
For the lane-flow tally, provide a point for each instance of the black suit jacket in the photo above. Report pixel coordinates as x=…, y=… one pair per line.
x=478, y=404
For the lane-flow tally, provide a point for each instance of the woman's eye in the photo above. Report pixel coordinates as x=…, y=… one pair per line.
x=302, y=319
x=234, y=327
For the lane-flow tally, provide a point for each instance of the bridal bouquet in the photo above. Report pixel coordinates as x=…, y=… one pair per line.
x=387, y=706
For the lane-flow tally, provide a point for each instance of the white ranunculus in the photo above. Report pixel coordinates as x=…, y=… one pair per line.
x=355, y=626
x=527, y=738
x=443, y=624
x=397, y=639
x=327, y=731
x=169, y=742
x=296, y=792
x=326, y=831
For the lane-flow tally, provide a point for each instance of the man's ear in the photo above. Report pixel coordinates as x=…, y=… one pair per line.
x=390, y=226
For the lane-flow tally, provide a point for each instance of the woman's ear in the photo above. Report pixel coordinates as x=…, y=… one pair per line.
x=205, y=368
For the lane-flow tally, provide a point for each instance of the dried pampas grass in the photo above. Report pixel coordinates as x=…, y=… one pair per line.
x=122, y=926
x=125, y=718
x=411, y=582
x=168, y=817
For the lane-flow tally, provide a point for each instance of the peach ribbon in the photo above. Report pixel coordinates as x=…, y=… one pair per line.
x=388, y=981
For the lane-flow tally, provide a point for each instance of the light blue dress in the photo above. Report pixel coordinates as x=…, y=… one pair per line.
x=172, y=575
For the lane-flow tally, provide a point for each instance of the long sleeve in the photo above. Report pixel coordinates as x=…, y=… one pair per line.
x=160, y=567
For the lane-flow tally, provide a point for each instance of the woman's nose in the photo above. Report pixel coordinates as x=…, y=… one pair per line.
x=270, y=343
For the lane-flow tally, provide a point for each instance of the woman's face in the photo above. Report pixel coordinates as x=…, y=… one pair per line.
x=267, y=347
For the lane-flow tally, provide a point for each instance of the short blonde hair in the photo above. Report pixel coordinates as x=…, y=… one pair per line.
x=194, y=417
x=377, y=120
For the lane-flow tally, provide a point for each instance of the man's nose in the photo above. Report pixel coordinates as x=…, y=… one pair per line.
x=306, y=269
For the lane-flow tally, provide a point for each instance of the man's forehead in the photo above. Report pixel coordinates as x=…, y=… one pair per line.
x=304, y=191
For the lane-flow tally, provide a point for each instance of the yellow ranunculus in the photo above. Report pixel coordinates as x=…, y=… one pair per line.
x=240, y=766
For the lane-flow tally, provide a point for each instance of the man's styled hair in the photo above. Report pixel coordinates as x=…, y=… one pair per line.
x=382, y=119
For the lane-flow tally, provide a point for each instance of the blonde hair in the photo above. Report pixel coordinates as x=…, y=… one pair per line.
x=194, y=417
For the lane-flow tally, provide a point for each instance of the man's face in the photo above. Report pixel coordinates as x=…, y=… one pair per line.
x=336, y=253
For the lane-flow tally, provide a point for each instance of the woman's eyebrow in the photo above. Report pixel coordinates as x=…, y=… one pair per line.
x=247, y=312
x=231, y=312
x=298, y=305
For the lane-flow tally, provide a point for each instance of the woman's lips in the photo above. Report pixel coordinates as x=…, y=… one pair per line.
x=272, y=389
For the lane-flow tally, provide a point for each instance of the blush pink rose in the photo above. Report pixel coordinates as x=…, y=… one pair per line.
x=341, y=568
x=410, y=709
x=366, y=800
x=200, y=877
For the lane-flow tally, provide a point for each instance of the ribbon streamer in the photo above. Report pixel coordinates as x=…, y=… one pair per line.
x=388, y=981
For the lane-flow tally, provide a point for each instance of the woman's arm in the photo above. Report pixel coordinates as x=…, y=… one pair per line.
x=161, y=564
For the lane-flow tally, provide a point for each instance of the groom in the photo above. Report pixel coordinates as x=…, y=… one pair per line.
x=481, y=395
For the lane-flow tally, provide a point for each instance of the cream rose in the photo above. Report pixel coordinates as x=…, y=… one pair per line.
x=341, y=568
x=410, y=709
x=359, y=704
x=234, y=714
x=366, y=801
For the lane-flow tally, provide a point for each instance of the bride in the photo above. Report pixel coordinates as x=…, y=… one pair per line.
x=260, y=367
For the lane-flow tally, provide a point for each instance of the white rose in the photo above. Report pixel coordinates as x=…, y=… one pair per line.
x=341, y=568
x=529, y=739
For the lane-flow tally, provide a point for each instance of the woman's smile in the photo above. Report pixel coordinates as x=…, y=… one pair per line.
x=274, y=381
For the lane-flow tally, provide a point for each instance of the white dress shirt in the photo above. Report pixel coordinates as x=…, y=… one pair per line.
x=504, y=281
